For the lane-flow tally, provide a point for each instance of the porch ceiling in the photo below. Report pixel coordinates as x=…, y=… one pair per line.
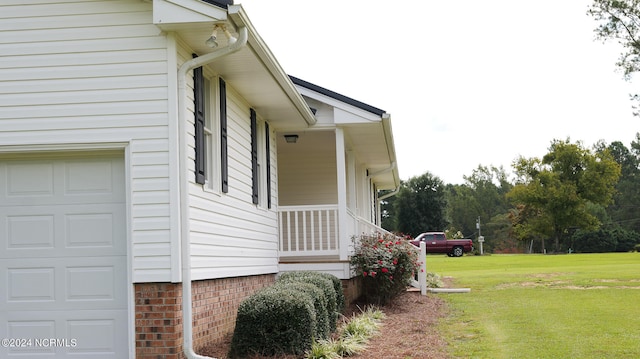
x=374, y=146
x=253, y=71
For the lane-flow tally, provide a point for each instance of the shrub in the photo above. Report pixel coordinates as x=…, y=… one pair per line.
x=386, y=263
x=434, y=280
x=323, y=318
x=337, y=284
x=322, y=282
x=274, y=321
x=613, y=239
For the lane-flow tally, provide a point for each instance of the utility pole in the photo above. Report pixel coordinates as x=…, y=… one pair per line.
x=480, y=237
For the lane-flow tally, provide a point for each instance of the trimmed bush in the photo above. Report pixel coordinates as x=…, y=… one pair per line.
x=319, y=303
x=337, y=284
x=274, y=321
x=325, y=284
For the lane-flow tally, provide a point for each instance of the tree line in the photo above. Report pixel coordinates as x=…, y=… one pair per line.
x=571, y=199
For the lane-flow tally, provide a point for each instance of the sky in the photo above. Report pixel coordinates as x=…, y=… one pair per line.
x=466, y=82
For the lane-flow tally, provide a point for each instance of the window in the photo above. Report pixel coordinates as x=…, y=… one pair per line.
x=210, y=165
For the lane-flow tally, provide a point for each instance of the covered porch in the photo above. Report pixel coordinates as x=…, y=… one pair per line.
x=328, y=194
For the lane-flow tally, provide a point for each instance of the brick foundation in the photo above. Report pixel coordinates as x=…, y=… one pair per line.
x=158, y=313
x=352, y=289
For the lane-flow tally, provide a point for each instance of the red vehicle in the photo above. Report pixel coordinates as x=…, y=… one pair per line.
x=437, y=242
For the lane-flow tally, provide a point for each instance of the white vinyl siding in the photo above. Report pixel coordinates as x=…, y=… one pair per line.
x=86, y=73
x=231, y=236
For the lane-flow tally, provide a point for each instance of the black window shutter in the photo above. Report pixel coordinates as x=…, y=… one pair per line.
x=224, y=159
x=200, y=143
x=254, y=156
x=268, y=164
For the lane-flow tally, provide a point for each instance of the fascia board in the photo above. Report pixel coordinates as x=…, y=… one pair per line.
x=359, y=114
x=186, y=11
x=391, y=147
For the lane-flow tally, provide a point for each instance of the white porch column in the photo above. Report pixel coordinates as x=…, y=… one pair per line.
x=343, y=217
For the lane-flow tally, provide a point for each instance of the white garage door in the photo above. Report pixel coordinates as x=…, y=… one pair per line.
x=63, y=257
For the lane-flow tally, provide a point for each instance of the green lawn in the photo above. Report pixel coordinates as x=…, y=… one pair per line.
x=543, y=306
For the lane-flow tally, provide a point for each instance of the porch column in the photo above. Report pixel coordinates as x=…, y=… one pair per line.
x=343, y=218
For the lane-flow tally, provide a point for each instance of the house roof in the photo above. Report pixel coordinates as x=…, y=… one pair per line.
x=220, y=3
x=337, y=96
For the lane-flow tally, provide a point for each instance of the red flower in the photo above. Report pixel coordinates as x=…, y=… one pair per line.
x=373, y=274
x=395, y=261
x=379, y=262
x=364, y=274
x=385, y=270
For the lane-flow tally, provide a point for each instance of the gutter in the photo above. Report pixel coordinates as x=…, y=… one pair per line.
x=187, y=304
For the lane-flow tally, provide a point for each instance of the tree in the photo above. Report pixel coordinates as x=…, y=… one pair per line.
x=625, y=209
x=420, y=205
x=619, y=20
x=554, y=195
x=482, y=195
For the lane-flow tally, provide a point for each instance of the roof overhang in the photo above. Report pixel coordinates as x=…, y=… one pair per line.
x=373, y=143
x=367, y=129
x=252, y=71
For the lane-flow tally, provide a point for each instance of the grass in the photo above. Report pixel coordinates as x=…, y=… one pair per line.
x=543, y=306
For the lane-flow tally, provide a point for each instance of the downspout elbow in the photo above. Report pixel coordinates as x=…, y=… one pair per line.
x=187, y=310
x=390, y=194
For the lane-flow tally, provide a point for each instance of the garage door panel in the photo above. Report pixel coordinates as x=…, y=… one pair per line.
x=31, y=179
x=26, y=231
x=31, y=285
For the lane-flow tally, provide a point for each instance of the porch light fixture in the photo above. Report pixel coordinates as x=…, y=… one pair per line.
x=211, y=41
x=291, y=138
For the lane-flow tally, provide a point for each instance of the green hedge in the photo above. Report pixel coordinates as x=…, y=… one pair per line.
x=323, y=318
x=287, y=317
x=323, y=282
x=274, y=321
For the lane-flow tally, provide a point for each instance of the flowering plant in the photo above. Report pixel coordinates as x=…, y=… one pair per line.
x=387, y=264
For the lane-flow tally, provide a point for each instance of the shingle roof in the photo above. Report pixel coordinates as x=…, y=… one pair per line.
x=337, y=96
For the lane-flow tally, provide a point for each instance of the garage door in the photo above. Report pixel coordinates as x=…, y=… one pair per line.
x=63, y=256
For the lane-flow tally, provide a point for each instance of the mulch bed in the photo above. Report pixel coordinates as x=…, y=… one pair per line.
x=408, y=331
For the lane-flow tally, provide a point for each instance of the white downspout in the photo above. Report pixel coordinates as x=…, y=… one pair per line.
x=187, y=310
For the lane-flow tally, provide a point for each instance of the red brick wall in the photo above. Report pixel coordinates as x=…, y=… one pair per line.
x=158, y=316
x=352, y=289
x=215, y=305
x=158, y=313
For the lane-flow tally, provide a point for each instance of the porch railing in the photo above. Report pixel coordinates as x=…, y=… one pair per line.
x=309, y=230
x=363, y=226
